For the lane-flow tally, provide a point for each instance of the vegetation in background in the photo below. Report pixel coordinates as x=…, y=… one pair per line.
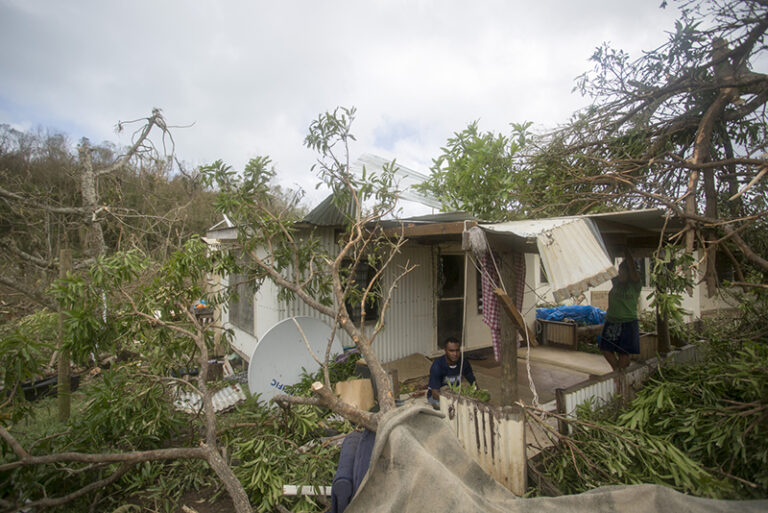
x=681, y=127
x=476, y=172
x=90, y=199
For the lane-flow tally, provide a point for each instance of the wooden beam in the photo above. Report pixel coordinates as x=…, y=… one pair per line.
x=515, y=315
x=606, y=226
x=426, y=230
x=508, y=349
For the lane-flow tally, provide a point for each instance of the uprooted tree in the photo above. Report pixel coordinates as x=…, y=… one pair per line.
x=271, y=246
x=681, y=127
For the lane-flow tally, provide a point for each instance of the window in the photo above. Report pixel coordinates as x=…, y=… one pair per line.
x=643, y=269
x=361, y=279
x=724, y=267
x=241, y=307
x=542, y=273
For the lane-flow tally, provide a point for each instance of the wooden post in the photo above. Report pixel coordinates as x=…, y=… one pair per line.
x=562, y=426
x=517, y=478
x=509, y=392
x=62, y=390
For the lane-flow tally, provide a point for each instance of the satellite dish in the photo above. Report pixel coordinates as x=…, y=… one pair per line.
x=281, y=353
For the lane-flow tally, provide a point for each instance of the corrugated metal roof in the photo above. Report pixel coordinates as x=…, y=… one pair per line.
x=647, y=219
x=405, y=177
x=571, y=249
x=328, y=214
x=445, y=217
x=528, y=228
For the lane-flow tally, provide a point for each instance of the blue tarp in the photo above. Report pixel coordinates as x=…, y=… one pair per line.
x=582, y=314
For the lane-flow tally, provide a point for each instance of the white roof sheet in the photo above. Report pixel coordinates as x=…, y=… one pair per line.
x=572, y=252
x=528, y=228
x=191, y=402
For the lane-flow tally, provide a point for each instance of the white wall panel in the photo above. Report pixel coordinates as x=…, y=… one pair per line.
x=409, y=322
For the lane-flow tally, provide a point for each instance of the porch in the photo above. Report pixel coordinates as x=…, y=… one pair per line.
x=550, y=368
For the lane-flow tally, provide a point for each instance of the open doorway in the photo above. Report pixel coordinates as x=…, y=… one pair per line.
x=450, y=297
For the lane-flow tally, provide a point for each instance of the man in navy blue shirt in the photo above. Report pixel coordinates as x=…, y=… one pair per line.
x=448, y=369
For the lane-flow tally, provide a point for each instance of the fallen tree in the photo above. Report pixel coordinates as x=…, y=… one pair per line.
x=699, y=428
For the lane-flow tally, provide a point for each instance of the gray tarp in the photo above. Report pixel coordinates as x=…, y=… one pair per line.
x=418, y=466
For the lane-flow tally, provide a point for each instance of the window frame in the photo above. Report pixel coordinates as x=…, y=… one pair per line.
x=364, y=272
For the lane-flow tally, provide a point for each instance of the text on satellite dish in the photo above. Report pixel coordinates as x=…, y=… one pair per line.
x=275, y=383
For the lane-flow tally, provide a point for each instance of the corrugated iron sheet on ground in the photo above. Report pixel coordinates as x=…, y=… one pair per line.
x=224, y=399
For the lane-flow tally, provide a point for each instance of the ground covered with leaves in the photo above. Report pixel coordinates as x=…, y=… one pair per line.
x=122, y=410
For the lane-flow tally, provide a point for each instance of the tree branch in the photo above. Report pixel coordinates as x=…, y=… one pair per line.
x=748, y=284
x=356, y=415
x=41, y=206
x=744, y=247
x=33, y=295
x=156, y=119
x=50, y=502
x=39, y=262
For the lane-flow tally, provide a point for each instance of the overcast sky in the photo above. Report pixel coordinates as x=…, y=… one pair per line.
x=250, y=76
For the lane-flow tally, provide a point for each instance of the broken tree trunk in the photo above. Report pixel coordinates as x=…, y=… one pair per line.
x=64, y=394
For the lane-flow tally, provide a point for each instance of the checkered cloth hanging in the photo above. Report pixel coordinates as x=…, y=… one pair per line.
x=490, y=282
x=491, y=307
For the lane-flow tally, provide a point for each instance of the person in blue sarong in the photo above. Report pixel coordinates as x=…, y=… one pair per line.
x=621, y=332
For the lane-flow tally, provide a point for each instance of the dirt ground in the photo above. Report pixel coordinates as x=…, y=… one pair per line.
x=198, y=502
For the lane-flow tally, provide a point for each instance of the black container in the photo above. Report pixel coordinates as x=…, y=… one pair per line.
x=34, y=390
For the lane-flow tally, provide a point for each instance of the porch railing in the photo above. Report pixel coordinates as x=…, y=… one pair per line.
x=602, y=389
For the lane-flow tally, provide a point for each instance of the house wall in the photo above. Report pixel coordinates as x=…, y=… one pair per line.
x=409, y=323
x=268, y=311
x=242, y=342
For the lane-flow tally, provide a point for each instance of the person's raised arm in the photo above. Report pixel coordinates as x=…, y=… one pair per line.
x=631, y=268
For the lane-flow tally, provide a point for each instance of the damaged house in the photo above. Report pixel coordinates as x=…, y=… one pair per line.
x=542, y=260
